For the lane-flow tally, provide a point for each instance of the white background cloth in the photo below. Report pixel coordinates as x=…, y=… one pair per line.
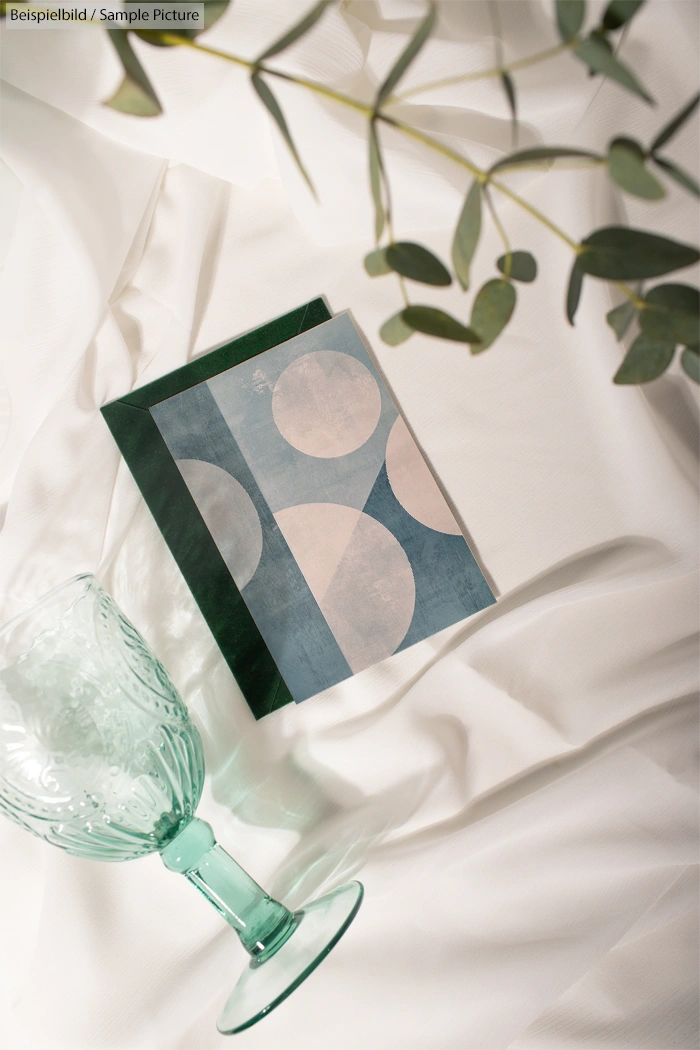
x=518, y=794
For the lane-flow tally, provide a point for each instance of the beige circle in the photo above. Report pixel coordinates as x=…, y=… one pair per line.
x=413, y=485
x=326, y=404
x=230, y=515
x=359, y=574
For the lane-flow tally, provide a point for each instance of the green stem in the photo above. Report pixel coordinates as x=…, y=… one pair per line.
x=536, y=214
x=404, y=293
x=310, y=85
x=433, y=144
x=501, y=230
x=481, y=175
x=407, y=129
x=484, y=74
x=632, y=296
x=495, y=18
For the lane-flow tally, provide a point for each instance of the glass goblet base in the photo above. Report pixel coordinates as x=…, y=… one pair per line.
x=264, y=985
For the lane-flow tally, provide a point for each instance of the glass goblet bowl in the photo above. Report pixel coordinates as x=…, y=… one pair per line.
x=99, y=756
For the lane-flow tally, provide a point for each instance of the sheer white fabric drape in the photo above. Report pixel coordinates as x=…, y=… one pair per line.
x=518, y=794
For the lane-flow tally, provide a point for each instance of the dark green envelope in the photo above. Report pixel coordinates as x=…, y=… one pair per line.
x=176, y=514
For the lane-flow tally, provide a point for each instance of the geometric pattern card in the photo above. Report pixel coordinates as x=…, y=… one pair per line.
x=322, y=506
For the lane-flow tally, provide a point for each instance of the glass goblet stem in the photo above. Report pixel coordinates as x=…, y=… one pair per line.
x=263, y=924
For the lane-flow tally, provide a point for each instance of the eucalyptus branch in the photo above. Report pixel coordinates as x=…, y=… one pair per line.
x=495, y=19
x=435, y=145
x=535, y=213
x=404, y=293
x=486, y=74
x=668, y=314
x=310, y=85
x=496, y=300
x=407, y=129
x=501, y=232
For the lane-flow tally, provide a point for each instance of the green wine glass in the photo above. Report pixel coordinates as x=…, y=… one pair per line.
x=98, y=755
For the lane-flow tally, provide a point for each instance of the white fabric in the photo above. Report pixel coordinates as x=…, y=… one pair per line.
x=518, y=795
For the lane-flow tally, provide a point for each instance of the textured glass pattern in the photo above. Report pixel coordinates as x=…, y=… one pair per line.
x=98, y=754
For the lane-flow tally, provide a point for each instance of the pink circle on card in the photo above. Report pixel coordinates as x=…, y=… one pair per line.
x=326, y=404
x=413, y=485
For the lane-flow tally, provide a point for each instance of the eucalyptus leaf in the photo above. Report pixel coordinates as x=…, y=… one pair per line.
x=431, y=321
x=600, y=59
x=523, y=266
x=573, y=292
x=417, y=263
x=376, y=174
x=626, y=167
x=681, y=177
x=213, y=10
x=271, y=104
x=691, y=364
x=160, y=37
x=491, y=311
x=570, y=15
x=646, y=360
x=538, y=156
x=135, y=95
x=673, y=126
x=467, y=234
x=672, y=314
x=620, y=318
x=406, y=57
x=376, y=264
x=618, y=253
x=292, y=35
x=509, y=88
x=682, y=297
x=618, y=12
x=395, y=330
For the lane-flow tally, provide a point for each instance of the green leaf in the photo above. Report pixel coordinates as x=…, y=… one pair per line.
x=620, y=11
x=431, y=321
x=600, y=60
x=297, y=30
x=536, y=157
x=523, y=266
x=376, y=264
x=570, y=15
x=678, y=121
x=573, y=292
x=271, y=104
x=417, y=263
x=395, y=330
x=467, y=234
x=620, y=318
x=135, y=94
x=491, y=312
x=646, y=360
x=376, y=175
x=681, y=177
x=406, y=57
x=679, y=297
x=213, y=10
x=617, y=253
x=691, y=364
x=509, y=88
x=626, y=167
x=672, y=314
